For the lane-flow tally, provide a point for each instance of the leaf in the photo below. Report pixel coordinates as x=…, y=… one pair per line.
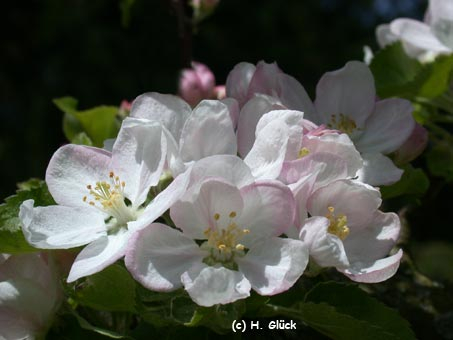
x=112, y=289
x=12, y=240
x=393, y=70
x=343, y=311
x=82, y=139
x=98, y=123
x=440, y=160
x=414, y=182
x=125, y=7
x=434, y=79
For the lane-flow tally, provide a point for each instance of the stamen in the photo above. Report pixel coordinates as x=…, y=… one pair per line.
x=338, y=224
x=232, y=214
x=303, y=152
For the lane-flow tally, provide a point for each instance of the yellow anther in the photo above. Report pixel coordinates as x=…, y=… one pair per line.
x=303, y=152
x=221, y=247
x=91, y=203
x=240, y=246
x=89, y=187
x=216, y=216
x=246, y=231
x=84, y=198
x=338, y=224
x=232, y=214
x=111, y=174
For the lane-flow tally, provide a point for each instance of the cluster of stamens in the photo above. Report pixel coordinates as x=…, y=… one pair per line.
x=109, y=195
x=344, y=124
x=224, y=242
x=338, y=224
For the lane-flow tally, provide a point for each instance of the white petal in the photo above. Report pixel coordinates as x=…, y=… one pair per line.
x=138, y=157
x=60, y=227
x=238, y=81
x=99, y=254
x=170, y=110
x=293, y=95
x=326, y=249
x=208, y=131
x=441, y=18
x=378, y=170
x=417, y=34
x=388, y=127
x=14, y=325
x=208, y=286
x=233, y=108
x=274, y=265
x=72, y=168
x=349, y=91
x=384, y=35
x=158, y=255
x=377, y=271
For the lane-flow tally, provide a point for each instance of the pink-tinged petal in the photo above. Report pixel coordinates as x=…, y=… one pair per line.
x=15, y=325
x=138, y=157
x=293, y=95
x=269, y=210
x=231, y=168
x=326, y=249
x=249, y=116
x=356, y=200
x=378, y=170
x=266, y=157
x=274, y=265
x=158, y=255
x=208, y=286
x=348, y=91
x=294, y=120
x=208, y=131
x=208, y=208
x=326, y=167
x=60, y=227
x=170, y=110
x=72, y=168
x=377, y=271
x=413, y=146
x=238, y=81
x=162, y=202
x=338, y=144
x=388, y=127
x=99, y=254
x=376, y=240
x=233, y=109
x=264, y=80
x=417, y=34
x=301, y=191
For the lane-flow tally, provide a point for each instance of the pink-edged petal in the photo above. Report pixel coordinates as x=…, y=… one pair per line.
x=168, y=109
x=249, y=117
x=388, y=127
x=60, y=227
x=417, y=34
x=269, y=210
x=158, y=255
x=238, y=80
x=348, y=91
x=208, y=208
x=233, y=108
x=293, y=95
x=138, y=157
x=266, y=157
x=378, y=170
x=208, y=131
x=231, y=168
x=376, y=240
x=99, y=254
x=377, y=271
x=413, y=146
x=72, y=168
x=326, y=249
x=208, y=286
x=274, y=265
x=356, y=200
x=301, y=191
x=162, y=202
x=264, y=79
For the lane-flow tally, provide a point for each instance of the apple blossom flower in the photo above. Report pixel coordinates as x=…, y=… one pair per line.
x=347, y=231
x=101, y=196
x=29, y=296
x=196, y=83
x=422, y=40
x=207, y=130
x=238, y=247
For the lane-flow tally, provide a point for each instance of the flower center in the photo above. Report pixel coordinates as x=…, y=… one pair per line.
x=303, y=152
x=109, y=198
x=338, y=224
x=223, y=243
x=344, y=123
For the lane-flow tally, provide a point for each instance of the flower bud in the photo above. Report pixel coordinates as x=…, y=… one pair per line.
x=196, y=84
x=413, y=146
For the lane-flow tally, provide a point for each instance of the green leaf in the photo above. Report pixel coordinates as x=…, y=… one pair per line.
x=414, y=182
x=112, y=289
x=394, y=71
x=440, y=160
x=12, y=240
x=98, y=123
x=343, y=311
x=434, y=79
x=125, y=7
x=82, y=139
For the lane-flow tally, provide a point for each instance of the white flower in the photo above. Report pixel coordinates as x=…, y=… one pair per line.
x=100, y=196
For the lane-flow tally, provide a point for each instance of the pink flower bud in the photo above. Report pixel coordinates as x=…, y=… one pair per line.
x=196, y=84
x=413, y=146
